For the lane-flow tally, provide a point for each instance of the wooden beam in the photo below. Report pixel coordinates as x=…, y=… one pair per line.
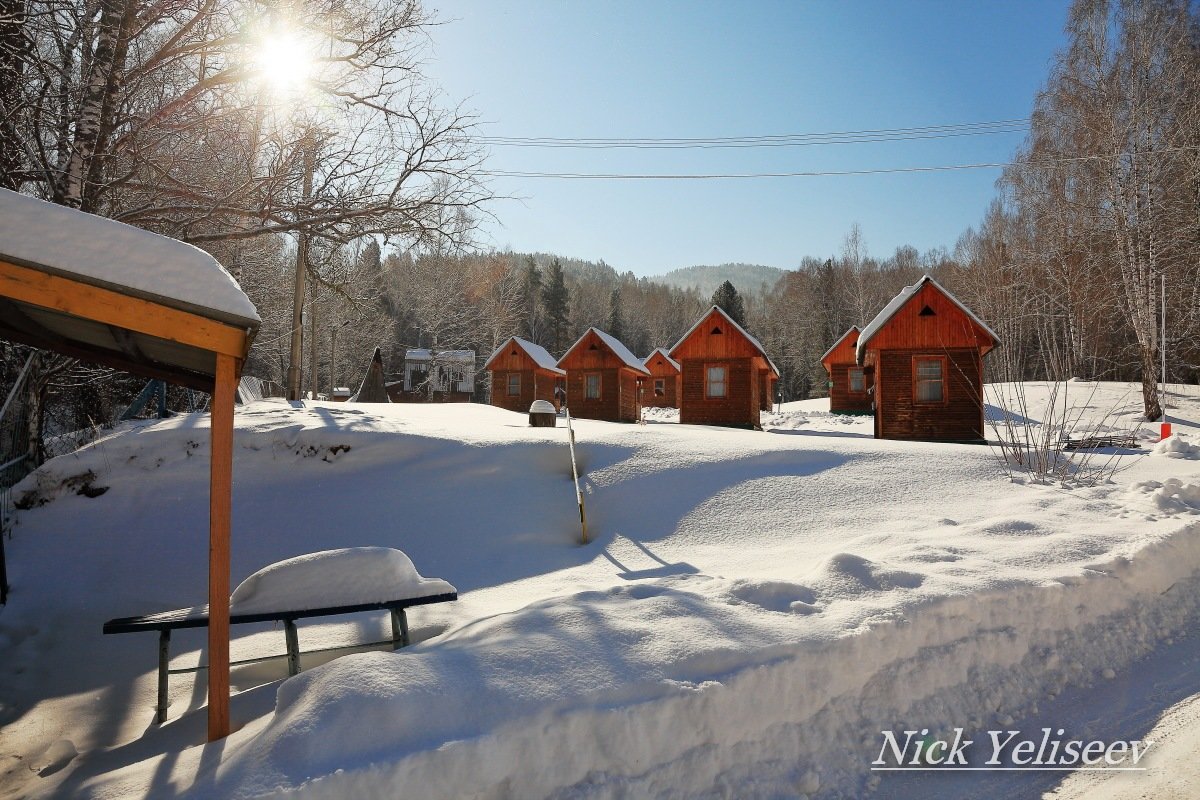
x=112, y=308
x=220, y=505
x=37, y=336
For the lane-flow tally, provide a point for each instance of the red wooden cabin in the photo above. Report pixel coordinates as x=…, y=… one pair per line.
x=521, y=373
x=725, y=372
x=927, y=350
x=602, y=378
x=663, y=388
x=848, y=382
x=768, y=379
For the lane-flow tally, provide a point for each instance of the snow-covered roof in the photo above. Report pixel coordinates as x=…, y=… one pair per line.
x=662, y=351
x=424, y=354
x=614, y=344
x=907, y=293
x=757, y=344
x=539, y=354
x=839, y=340
x=119, y=257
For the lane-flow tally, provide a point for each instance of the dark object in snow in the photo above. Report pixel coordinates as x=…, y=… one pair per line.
x=542, y=414
x=197, y=617
x=1122, y=440
x=372, y=389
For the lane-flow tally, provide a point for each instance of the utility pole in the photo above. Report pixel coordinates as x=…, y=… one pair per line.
x=333, y=356
x=297, y=350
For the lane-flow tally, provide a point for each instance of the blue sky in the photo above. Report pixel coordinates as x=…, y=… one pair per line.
x=680, y=69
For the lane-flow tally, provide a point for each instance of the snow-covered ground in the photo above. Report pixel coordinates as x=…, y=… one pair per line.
x=753, y=609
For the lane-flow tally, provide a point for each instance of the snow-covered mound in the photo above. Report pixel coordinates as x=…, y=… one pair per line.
x=1175, y=446
x=347, y=576
x=752, y=610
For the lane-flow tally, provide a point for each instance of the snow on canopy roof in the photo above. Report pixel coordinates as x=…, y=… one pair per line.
x=663, y=352
x=757, y=344
x=424, y=354
x=907, y=293
x=838, y=341
x=614, y=344
x=539, y=354
x=112, y=255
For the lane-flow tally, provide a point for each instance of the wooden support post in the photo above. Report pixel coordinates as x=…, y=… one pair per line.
x=405, y=641
x=164, y=659
x=293, y=646
x=397, y=638
x=220, y=506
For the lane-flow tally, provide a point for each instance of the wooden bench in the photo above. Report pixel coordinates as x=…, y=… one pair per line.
x=197, y=617
x=1125, y=440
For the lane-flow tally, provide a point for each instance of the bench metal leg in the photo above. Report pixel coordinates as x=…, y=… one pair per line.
x=164, y=658
x=399, y=628
x=293, y=646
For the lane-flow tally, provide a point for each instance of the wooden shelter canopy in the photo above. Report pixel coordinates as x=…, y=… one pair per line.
x=111, y=293
x=114, y=294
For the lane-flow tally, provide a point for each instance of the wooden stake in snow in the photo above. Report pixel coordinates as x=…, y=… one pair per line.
x=575, y=475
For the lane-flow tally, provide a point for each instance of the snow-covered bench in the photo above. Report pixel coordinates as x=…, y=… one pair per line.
x=321, y=584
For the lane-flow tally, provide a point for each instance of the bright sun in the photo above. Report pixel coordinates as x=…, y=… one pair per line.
x=283, y=61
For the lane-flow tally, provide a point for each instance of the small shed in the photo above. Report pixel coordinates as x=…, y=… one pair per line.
x=926, y=350
x=848, y=382
x=725, y=373
x=435, y=376
x=665, y=384
x=372, y=390
x=602, y=378
x=521, y=373
x=110, y=293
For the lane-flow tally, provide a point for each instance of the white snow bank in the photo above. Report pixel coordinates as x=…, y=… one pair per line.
x=1175, y=446
x=347, y=576
x=113, y=255
x=1171, y=496
x=603, y=694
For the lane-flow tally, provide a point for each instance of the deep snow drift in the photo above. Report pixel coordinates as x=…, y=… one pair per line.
x=753, y=609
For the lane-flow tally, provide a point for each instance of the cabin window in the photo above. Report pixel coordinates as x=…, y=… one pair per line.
x=856, y=381
x=714, y=382
x=514, y=384
x=930, y=379
x=591, y=386
x=660, y=387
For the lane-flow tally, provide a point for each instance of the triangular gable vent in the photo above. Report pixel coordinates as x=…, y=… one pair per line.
x=593, y=347
x=927, y=312
x=716, y=331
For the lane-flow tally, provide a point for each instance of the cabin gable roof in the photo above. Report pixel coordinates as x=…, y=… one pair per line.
x=843, y=349
x=921, y=300
x=661, y=352
x=715, y=319
x=606, y=342
x=540, y=357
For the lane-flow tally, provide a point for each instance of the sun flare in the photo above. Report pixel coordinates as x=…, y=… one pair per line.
x=283, y=62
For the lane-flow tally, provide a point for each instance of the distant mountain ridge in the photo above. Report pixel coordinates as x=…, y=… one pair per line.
x=706, y=278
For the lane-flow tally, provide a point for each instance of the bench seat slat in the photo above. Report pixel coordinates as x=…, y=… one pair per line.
x=197, y=616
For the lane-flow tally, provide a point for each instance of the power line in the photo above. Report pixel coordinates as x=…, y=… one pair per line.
x=770, y=140
x=821, y=173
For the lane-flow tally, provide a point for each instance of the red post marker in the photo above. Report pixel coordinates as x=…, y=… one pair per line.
x=1164, y=431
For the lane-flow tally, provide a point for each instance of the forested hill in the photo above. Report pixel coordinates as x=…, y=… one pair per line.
x=708, y=278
